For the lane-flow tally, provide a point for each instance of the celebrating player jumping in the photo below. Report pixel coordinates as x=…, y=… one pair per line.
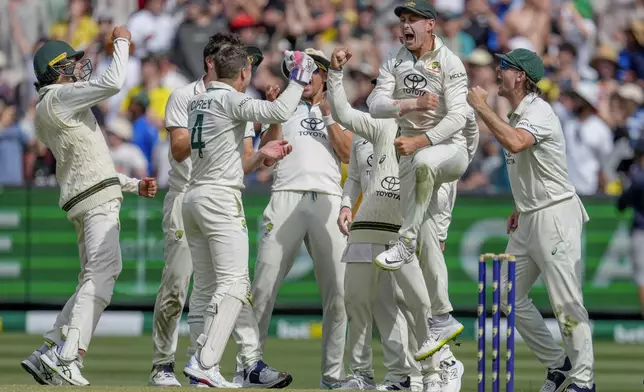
x=432, y=147
x=546, y=227
x=90, y=194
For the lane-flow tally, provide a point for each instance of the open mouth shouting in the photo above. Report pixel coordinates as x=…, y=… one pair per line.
x=409, y=37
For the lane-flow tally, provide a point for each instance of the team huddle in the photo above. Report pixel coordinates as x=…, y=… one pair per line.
x=383, y=265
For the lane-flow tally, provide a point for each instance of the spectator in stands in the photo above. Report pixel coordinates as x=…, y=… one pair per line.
x=152, y=29
x=481, y=22
x=633, y=198
x=157, y=94
x=145, y=135
x=481, y=72
x=128, y=158
x=566, y=74
x=13, y=141
x=589, y=142
x=192, y=36
x=169, y=73
x=79, y=29
x=458, y=41
x=577, y=27
x=527, y=27
x=605, y=63
x=632, y=57
x=631, y=100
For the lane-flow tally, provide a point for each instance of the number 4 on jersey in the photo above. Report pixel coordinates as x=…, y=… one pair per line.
x=196, y=131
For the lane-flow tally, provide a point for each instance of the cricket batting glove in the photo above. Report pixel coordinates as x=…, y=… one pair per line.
x=300, y=66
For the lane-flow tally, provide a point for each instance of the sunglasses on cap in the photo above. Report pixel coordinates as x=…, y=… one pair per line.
x=505, y=65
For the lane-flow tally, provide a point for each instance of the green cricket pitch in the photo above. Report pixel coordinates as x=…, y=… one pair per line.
x=123, y=364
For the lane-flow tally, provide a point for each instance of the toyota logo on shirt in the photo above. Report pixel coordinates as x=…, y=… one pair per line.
x=312, y=126
x=390, y=186
x=414, y=83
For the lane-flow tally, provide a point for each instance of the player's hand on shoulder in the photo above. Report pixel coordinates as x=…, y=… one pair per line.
x=513, y=222
x=272, y=93
x=345, y=219
x=121, y=32
x=275, y=150
x=148, y=187
x=339, y=57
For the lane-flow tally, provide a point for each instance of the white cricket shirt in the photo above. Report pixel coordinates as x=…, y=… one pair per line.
x=313, y=165
x=176, y=116
x=218, y=121
x=403, y=76
x=539, y=174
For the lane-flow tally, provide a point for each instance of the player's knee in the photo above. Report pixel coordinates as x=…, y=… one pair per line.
x=335, y=309
x=240, y=289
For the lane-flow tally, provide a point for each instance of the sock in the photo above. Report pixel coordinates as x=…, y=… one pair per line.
x=43, y=349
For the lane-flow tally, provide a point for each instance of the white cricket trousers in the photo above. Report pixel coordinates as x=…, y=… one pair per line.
x=290, y=219
x=547, y=242
x=175, y=281
x=100, y=261
x=217, y=235
x=421, y=174
x=370, y=294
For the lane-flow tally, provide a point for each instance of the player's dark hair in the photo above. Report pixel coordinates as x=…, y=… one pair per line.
x=230, y=60
x=218, y=41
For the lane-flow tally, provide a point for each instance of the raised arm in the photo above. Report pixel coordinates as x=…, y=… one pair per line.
x=76, y=97
x=455, y=92
x=360, y=122
x=240, y=106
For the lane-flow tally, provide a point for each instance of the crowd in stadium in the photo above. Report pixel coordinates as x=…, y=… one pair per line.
x=594, y=58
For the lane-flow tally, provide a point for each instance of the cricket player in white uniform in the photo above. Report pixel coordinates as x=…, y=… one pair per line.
x=377, y=220
x=546, y=227
x=90, y=194
x=175, y=280
x=432, y=146
x=213, y=212
x=178, y=270
x=306, y=196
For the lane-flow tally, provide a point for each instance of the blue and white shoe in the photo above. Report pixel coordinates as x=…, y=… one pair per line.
x=211, y=377
x=163, y=376
x=261, y=375
x=557, y=379
x=575, y=388
x=404, y=385
x=401, y=252
x=69, y=371
x=356, y=382
x=40, y=373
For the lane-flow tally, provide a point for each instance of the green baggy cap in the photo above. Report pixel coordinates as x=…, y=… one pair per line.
x=527, y=61
x=419, y=7
x=52, y=53
x=255, y=56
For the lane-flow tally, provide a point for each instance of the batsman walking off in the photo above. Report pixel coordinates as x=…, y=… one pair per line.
x=546, y=227
x=432, y=147
x=90, y=194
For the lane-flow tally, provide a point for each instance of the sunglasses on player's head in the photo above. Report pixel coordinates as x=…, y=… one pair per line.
x=505, y=65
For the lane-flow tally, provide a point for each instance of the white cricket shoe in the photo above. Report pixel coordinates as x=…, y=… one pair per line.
x=404, y=385
x=197, y=384
x=211, y=377
x=451, y=375
x=400, y=253
x=69, y=371
x=356, y=382
x=238, y=378
x=40, y=373
x=433, y=383
x=163, y=376
x=261, y=375
x=440, y=333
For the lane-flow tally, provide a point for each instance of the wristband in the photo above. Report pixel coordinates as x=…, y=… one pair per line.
x=328, y=120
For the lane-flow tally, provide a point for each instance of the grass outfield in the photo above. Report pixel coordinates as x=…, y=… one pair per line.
x=123, y=364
